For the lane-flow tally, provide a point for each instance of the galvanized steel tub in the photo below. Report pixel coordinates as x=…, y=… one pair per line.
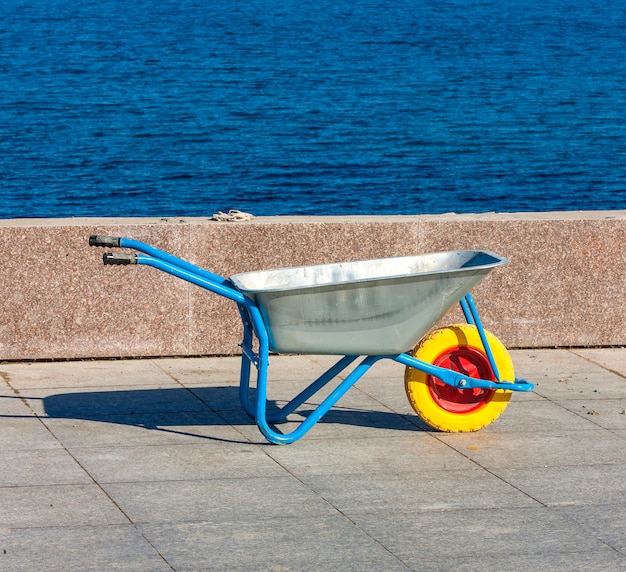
x=367, y=307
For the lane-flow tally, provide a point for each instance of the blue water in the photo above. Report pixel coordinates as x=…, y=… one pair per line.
x=187, y=107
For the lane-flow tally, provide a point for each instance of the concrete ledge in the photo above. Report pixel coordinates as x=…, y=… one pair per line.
x=565, y=284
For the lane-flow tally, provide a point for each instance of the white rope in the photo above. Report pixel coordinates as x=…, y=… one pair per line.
x=232, y=215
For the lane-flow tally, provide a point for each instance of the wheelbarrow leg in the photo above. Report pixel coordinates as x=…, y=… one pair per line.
x=281, y=414
x=316, y=414
x=313, y=388
x=248, y=357
x=254, y=326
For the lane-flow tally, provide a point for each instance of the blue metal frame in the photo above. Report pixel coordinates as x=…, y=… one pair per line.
x=256, y=331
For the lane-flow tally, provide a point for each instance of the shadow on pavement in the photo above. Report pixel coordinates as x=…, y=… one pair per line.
x=173, y=409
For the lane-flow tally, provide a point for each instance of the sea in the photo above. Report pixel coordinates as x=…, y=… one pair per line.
x=183, y=108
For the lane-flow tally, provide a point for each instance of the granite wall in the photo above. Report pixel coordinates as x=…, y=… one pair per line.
x=565, y=284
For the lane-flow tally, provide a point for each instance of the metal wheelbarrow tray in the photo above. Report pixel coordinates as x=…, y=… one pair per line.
x=379, y=309
x=368, y=307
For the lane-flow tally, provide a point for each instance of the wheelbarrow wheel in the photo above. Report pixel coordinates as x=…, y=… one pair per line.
x=446, y=408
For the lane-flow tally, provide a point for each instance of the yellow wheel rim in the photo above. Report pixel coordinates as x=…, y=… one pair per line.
x=449, y=409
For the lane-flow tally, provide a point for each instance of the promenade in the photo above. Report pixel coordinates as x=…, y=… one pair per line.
x=151, y=465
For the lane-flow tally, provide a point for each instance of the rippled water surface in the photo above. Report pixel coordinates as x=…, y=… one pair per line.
x=184, y=108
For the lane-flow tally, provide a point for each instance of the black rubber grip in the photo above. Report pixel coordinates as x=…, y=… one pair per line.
x=110, y=241
x=119, y=258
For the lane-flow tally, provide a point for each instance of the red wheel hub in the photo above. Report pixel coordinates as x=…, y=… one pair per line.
x=471, y=363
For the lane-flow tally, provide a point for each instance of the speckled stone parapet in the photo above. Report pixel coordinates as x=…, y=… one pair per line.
x=565, y=284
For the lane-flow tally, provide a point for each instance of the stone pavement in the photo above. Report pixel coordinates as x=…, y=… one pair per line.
x=151, y=465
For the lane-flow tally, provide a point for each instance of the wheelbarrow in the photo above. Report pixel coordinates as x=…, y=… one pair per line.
x=457, y=378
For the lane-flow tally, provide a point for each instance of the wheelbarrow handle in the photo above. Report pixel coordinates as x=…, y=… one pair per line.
x=99, y=240
x=167, y=263
x=119, y=258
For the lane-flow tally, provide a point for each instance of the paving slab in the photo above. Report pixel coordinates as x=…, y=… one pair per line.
x=20, y=432
x=57, y=505
x=37, y=467
x=180, y=462
x=420, y=491
x=76, y=549
x=544, y=417
x=407, y=454
x=604, y=413
x=613, y=359
x=292, y=543
x=153, y=465
x=438, y=535
x=568, y=375
x=570, y=485
x=516, y=450
x=219, y=500
x=144, y=429
x=349, y=424
x=603, y=559
x=12, y=404
x=98, y=403
x=606, y=522
x=89, y=373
